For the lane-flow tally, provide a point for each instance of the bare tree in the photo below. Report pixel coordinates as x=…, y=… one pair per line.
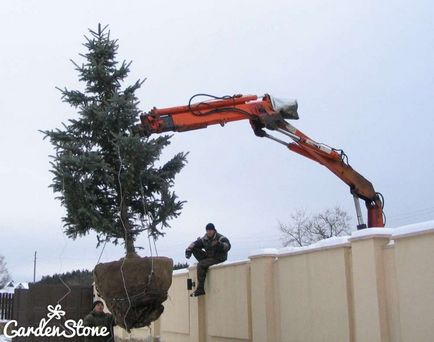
x=4, y=274
x=304, y=229
x=331, y=222
x=296, y=232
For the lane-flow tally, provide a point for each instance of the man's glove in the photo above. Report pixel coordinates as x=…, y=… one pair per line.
x=188, y=253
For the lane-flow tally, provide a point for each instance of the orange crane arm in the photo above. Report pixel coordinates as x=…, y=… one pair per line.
x=265, y=113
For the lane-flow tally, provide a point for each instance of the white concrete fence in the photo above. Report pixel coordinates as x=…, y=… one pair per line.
x=377, y=285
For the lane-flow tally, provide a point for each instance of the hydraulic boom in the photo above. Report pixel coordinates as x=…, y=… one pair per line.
x=265, y=113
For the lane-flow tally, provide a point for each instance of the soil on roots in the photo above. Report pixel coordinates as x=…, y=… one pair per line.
x=134, y=289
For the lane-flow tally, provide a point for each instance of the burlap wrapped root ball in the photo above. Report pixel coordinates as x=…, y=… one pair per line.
x=134, y=289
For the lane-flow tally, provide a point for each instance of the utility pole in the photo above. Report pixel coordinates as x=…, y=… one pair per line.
x=34, y=268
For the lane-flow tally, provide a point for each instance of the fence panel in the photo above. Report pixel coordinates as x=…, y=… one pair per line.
x=6, y=306
x=30, y=306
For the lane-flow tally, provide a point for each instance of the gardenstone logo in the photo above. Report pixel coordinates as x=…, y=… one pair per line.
x=69, y=328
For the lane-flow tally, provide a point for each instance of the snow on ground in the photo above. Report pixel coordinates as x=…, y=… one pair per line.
x=2, y=337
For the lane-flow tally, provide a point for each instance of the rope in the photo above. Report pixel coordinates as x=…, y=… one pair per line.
x=61, y=254
x=126, y=234
x=155, y=246
x=103, y=247
x=144, y=223
x=143, y=219
x=66, y=294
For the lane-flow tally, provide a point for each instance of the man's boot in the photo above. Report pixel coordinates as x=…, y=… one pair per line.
x=199, y=292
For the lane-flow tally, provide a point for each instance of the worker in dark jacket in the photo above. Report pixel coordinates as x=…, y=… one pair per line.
x=209, y=250
x=98, y=318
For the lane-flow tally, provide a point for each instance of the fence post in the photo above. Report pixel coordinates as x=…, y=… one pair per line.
x=197, y=312
x=370, y=316
x=264, y=320
x=10, y=306
x=1, y=305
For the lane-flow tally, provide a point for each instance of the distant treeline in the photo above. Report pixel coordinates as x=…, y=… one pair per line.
x=83, y=277
x=77, y=277
x=179, y=265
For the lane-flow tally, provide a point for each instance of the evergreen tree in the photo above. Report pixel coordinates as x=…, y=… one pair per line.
x=180, y=265
x=108, y=178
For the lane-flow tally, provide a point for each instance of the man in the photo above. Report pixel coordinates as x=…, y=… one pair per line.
x=98, y=318
x=209, y=250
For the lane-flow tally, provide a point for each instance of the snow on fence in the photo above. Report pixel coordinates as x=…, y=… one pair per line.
x=6, y=305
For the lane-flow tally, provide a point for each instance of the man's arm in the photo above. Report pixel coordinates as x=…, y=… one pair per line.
x=198, y=243
x=224, y=243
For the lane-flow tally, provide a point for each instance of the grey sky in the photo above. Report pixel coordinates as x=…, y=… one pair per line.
x=362, y=72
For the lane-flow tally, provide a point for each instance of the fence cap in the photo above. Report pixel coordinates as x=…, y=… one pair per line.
x=330, y=243
x=266, y=252
x=180, y=272
x=414, y=229
x=370, y=233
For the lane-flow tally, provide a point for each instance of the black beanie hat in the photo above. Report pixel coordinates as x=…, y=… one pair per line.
x=210, y=226
x=96, y=302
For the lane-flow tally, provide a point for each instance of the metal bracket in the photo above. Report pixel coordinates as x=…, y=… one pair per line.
x=190, y=284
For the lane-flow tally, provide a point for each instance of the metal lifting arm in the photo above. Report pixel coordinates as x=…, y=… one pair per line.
x=265, y=113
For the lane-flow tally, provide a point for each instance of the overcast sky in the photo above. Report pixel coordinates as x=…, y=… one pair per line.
x=362, y=72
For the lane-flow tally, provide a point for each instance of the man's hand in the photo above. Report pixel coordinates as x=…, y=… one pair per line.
x=215, y=243
x=188, y=253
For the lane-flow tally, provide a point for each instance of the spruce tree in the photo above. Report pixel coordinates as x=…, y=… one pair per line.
x=108, y=178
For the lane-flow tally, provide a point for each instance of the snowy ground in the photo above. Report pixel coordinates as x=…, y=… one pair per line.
x=2, y=337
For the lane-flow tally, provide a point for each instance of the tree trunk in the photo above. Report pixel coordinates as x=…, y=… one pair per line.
x=129, y=246
x=129, y=238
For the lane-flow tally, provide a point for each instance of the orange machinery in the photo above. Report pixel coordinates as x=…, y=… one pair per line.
x=266, y=113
